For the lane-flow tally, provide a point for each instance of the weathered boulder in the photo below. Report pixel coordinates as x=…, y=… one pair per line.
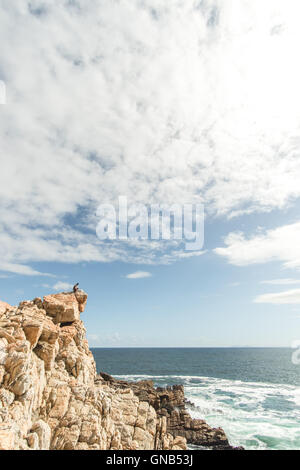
x=65, y=307
x=81, y=297
x=3, y=307
x=33, y=331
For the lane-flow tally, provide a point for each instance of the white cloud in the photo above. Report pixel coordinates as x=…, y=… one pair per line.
x=21, y=269
x=62, y=286
x=110, y=340
x=160, y=101
x=281, y=281
x=190, y=254
x=286, y=297
x=114, y=339
x=94, y=337
x=139, y=275
x=280, y=244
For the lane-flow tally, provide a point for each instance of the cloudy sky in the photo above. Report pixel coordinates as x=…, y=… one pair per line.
x=163, y=102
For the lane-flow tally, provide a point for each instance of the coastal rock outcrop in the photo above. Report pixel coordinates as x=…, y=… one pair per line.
x=170, y=405
x=50, y=396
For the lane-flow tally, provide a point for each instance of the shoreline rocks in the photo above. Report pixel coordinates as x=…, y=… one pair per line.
x=170, y=403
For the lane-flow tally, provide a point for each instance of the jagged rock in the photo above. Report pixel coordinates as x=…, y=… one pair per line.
x=43, y=432
x=3, y=307
x=81, y=297
x=169, y=404
x=65, y=307
x=33, y=331
x=106, y=377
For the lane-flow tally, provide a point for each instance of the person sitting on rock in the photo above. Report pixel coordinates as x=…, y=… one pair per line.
x=75, y=288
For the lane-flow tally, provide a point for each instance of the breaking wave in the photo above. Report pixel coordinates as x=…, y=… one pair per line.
x=255, y=415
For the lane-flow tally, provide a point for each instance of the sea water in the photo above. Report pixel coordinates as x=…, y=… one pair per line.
x=252, y=393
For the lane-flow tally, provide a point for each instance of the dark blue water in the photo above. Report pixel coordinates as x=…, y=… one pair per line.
x=253, y=393
x=272, y=365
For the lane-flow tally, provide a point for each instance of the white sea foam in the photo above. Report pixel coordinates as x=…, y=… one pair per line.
x=254, y=414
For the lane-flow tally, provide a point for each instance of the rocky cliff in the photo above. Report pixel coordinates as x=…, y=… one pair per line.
x=51, y=397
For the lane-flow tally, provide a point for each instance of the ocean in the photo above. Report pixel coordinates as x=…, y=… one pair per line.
x=252, y=393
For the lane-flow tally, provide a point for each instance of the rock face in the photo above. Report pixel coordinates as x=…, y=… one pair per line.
x=170, y=404
x=50, y=396
x=3, y=306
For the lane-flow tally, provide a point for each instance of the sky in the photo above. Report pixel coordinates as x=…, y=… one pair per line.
x=178, y=102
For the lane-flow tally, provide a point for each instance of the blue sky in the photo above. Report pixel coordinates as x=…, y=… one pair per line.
x=189, y=101
x=198, y=302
